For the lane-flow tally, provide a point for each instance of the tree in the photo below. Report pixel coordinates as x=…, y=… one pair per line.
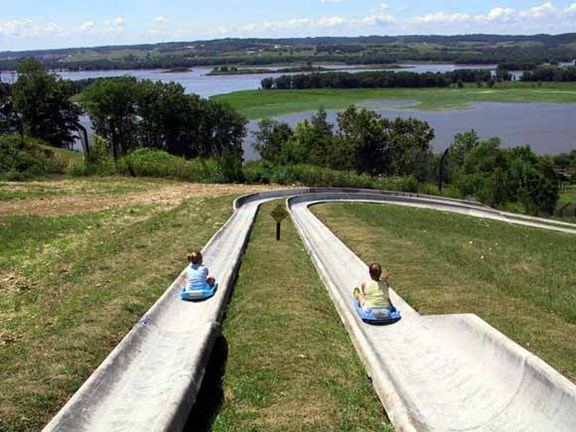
x=381, y=146
x=409, y=146
x=165, y=112
x=112, y=106
x=43, y=100
x=222, y=130
x=315, y=140
x=362, y=130
x=270, y=138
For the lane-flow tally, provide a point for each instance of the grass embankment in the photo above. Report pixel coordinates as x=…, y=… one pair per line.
x=76, y=278
x=520, y=280
x=256, y=104
x=291, y=365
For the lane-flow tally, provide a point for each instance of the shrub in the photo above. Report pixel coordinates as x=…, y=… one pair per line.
x=21, y=161
x=314, y=176
x=158, y=163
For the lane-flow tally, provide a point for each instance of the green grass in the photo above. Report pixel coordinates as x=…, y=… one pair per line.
x=567, y=203
x=521, y=280
x=72, y=286
x=291, y=365
x=94, y=187
x=569, y=194
x=255, y=104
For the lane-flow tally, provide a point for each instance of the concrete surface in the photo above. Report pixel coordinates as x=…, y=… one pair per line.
x=427, y=373
x=438, y=373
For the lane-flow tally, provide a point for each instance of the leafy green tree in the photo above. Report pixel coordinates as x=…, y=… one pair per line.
x=112, y=106
x=270, y=138
x=223, y=130
x=409, y=143
x=166, y=114
x=362, y=130
x=315, y=140
x=43, y=100
x=381, y=146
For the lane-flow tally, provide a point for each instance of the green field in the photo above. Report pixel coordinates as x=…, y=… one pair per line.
x=520, y=280
x=568, y=194
x=255, y=104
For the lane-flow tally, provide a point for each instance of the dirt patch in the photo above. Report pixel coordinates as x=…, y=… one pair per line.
x=167, y=196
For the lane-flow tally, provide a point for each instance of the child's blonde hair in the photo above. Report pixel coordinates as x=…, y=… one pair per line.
x=195, y=257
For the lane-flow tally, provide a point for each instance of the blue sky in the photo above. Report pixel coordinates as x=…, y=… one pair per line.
x=39, y=24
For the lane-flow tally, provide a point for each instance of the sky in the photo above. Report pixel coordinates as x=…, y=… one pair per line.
x=43, y=24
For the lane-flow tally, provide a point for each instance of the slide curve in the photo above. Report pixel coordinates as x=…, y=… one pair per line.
x=433, y=373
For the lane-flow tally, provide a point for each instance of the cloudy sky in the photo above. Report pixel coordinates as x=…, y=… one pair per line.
x=38, y=24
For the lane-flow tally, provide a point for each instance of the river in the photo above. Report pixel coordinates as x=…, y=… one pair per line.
x=547, y=128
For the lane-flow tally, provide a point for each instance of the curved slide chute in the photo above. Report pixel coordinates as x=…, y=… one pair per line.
x=434, y=373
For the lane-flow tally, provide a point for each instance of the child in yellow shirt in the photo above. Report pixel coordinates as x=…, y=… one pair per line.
x=373, y=294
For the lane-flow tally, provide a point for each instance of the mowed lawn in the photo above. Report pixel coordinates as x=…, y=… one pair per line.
x=291, y=365
x=520, y=280
x=256, y=104
x=80, y=262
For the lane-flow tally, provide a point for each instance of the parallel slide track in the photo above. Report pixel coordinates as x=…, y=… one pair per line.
x=432, y=373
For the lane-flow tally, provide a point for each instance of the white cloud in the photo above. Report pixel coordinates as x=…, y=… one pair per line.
x=158, y=25
x=114, y=25
x=500, y=14
x=330, y=21
x=570, y=9
x=442, y=17
x=86, y=27
x=538, y=11
x=27, y=28
x=375, y=20
x=14, y=27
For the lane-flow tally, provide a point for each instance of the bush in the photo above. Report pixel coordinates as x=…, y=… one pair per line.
x=314, y=176
x=21, y=161
x=158, y=163
x=99, y=161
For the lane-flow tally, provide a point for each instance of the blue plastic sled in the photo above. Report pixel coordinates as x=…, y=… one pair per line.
x=198, y=294
x=377, y=315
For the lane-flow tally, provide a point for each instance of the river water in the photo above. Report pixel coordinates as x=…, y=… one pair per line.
x=198, y=81
x=547, y=128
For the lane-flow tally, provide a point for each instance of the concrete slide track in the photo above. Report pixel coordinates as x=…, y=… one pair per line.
x=433, y=373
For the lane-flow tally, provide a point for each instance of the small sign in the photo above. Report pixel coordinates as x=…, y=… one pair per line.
x=279, y=213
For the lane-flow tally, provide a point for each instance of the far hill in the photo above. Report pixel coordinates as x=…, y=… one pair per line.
x=461, y=49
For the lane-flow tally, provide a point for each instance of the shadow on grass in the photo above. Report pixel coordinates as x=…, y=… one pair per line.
x=211, y=395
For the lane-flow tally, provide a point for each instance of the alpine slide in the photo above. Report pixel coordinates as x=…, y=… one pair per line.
x=431, y=373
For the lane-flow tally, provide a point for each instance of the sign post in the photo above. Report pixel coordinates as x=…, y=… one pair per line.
x=279, y=214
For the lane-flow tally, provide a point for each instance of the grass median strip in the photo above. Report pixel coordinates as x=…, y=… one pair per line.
x=291, y=364
x=521, y=280
x=72, y=286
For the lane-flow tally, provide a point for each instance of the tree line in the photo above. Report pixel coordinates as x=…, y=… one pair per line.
x=132, y=114
x=366, y=143
x=550, y=73
x=382, y=79
x=129, y=113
